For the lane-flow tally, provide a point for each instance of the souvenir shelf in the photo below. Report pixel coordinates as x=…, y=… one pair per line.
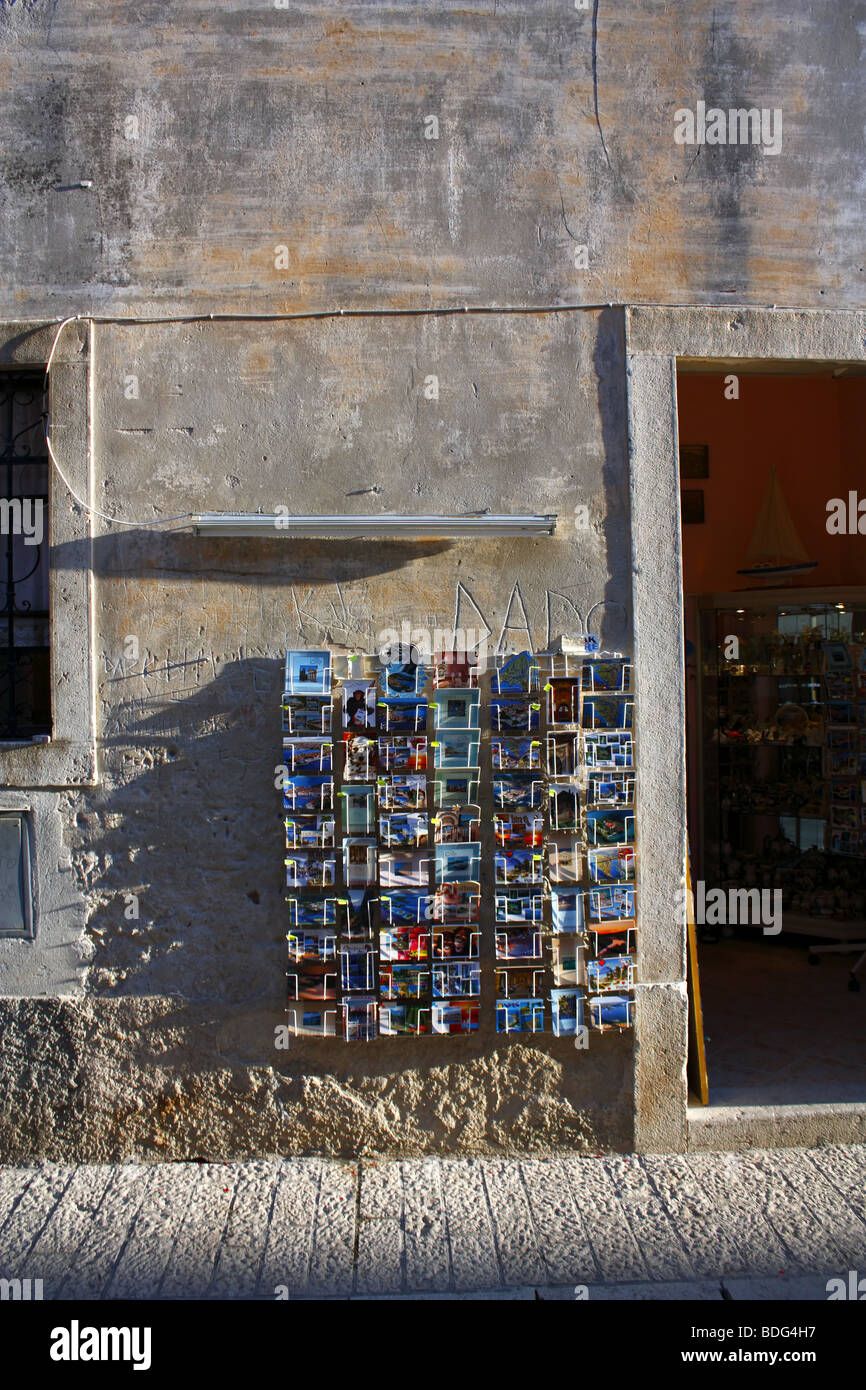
x=393, y=879
x=783, y=749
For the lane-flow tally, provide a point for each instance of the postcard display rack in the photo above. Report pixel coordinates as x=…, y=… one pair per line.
x=436, y=822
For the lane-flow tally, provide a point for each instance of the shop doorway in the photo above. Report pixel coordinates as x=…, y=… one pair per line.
x=774, y=584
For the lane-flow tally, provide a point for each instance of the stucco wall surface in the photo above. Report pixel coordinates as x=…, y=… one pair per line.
x=214, y=132
x=166, y=1041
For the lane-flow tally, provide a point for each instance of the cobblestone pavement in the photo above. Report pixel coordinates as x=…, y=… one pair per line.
x=709, y=1226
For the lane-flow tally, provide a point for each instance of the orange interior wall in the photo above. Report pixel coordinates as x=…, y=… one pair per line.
x=814, y=430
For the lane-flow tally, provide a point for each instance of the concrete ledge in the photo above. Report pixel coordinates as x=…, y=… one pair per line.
x=774, y=1126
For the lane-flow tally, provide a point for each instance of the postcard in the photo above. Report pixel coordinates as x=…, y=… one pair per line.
x=517, y=791
x=315, y=912
x=844, y=842
x=455, y=788
x=453, y=1017
x=608, y=750
x=610, y=972
x=566, y=961
x=361, y=758
x=517, y=866
x=519, y=829
x=407, y=906
x=359, y=1019
x=519, y=1015
x=518, y=673
x=312, y=946
x=404, y=943
x=561, y=754
x=403, y=716
x=358, y=966
x=403, y=981
x=841, y=762
x=839, y=687
x=308, y=673
x=456, y=863
x=403, y=753
x=455, y=749
x=311, y=979
x=563, y=701
x=566, y=907
x=516, y=906
x=840, y=712
x=456, y=709
x=402, y=678
x=308, y=793
x=457, y=824
x=844, y=818
x=359, y=705
x=402, y=1020
x=611, y=865
x=836, y=656
x=315, y=1023
x=403, y=870
x=609, y=789
x=517, y=944
x=458, y=979
x=359, y=809
x=516, y=754
x=611, y=1011
x=451, y=942
x=842, y=740
x=564, y=860
x=404, y=828
x=404, y=791
x=566, y=1011
x=612, y=940
x=607, y=712
x=307, y=754
x=310, y=832
x=518, y=981
x=508, y=715
x=606, y=675
x=610, y=827
x=455, y=669
x=303, y=715
x=457, y=903
x=359, y=861
x=310, y=868
x=564, y=800
x=355, y=911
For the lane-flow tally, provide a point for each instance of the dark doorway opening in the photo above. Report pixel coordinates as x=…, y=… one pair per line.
x=775, y=609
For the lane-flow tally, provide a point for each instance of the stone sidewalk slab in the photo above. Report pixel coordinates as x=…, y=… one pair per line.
x=746, y=1226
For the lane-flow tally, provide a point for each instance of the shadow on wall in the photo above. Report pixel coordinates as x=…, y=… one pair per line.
x=178, y=850
x=609, y=361
x=280, y=560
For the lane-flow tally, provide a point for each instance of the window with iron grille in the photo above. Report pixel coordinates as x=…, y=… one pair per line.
x=25, y=655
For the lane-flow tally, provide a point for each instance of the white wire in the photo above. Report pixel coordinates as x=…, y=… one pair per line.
x=94, y=511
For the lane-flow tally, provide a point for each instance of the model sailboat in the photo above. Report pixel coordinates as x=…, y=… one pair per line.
x=775, y=548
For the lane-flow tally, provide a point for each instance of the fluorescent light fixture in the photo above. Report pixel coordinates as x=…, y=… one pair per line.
x=368, y=527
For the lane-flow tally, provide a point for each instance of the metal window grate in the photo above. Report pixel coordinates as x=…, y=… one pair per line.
x=25, y=657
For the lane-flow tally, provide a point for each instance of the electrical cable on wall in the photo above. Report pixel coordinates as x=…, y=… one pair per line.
x=143, y=321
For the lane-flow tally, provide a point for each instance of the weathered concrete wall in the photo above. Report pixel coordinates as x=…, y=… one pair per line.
x=249, y=158
x=213, y=132
x=171, y=1049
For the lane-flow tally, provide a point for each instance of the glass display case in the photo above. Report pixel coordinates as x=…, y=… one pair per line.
x=782, y=691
